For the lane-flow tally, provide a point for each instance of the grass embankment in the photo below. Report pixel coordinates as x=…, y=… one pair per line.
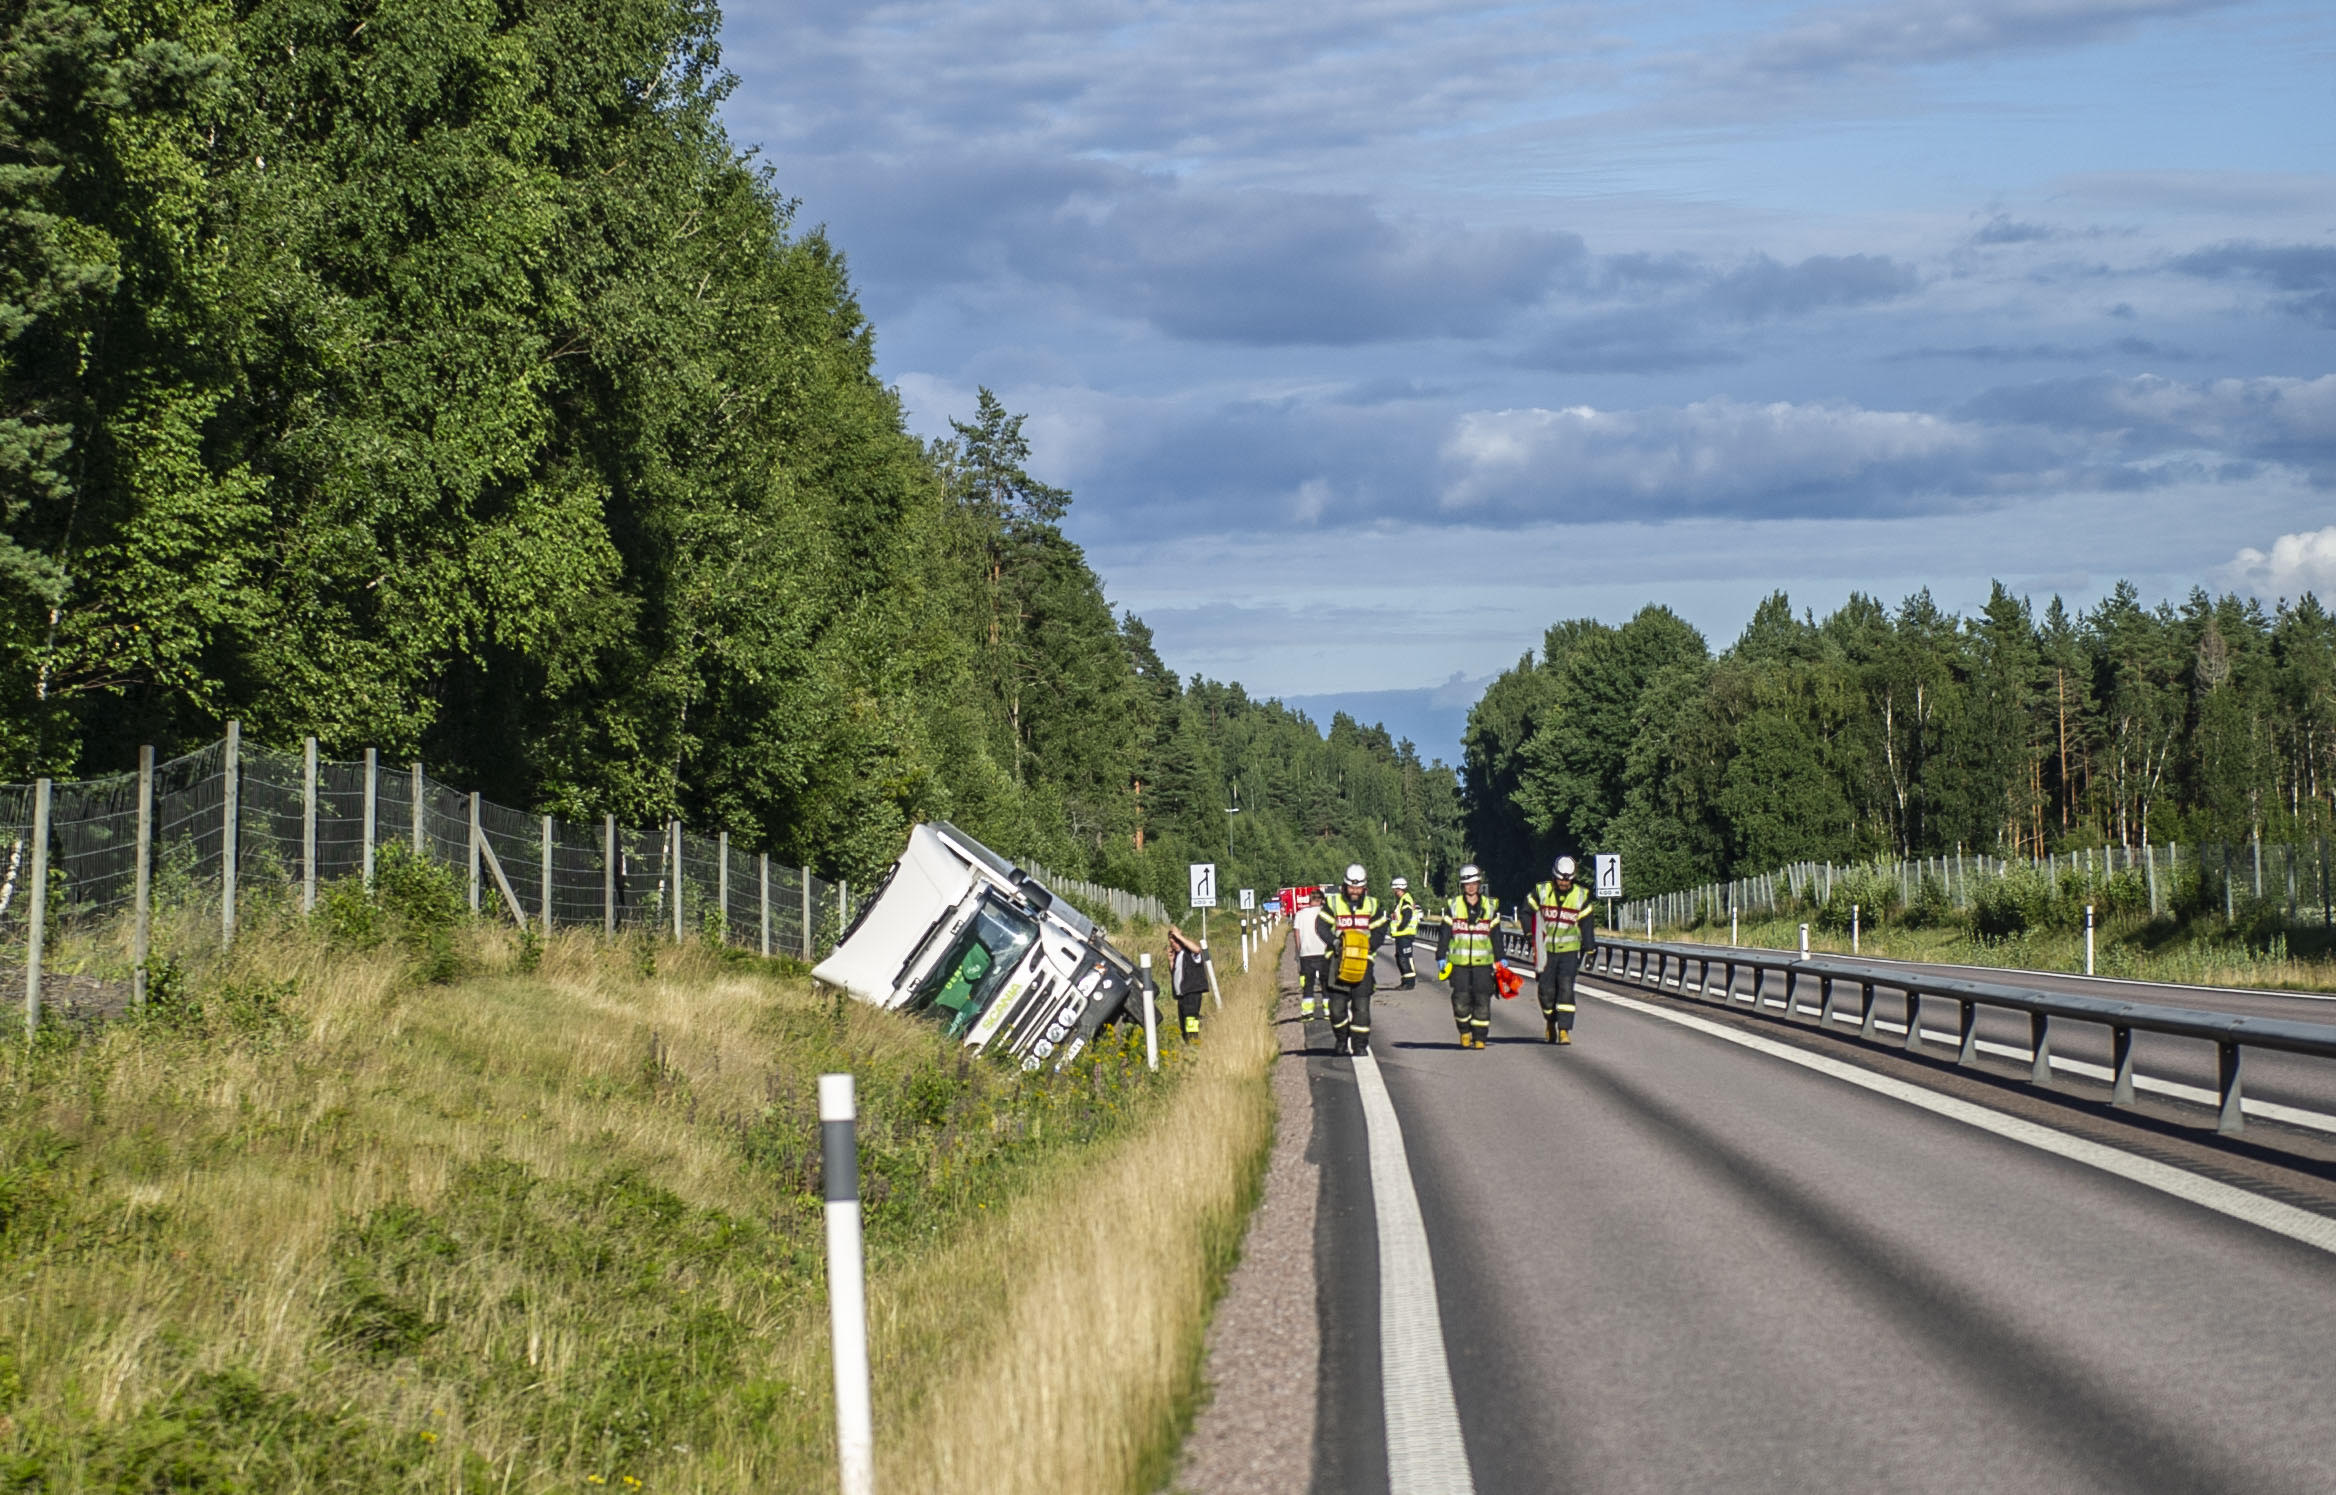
x=2188, y=953
x=389, y=1204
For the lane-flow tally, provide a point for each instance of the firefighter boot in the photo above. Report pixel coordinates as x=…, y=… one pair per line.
x=1565, y=1035
x=1549, y=1025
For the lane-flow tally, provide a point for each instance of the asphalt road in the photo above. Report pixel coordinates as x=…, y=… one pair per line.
x=1667, y=1263
x=2274, y=1080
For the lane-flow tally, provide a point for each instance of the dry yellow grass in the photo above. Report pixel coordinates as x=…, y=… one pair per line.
x=579, y=1194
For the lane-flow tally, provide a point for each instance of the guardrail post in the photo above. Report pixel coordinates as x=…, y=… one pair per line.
x=1759, y=988
x=1792, y=986
x=142, y=895
x=307, y=815
x=1825, y=1002
x=1913, y=1021
x=1728, y=992
x=2040, y=1039
x=1967, y=1033
x=231, y=786
x=37, y=923
x=847, y=1288
x=370, y=825
x=2121, y=1059
x=1869, y=1020
x=2234, y=1112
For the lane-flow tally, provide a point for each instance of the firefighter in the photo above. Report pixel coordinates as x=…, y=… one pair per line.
x=1472, y=916
x=1188, y=979
x=1402, y=926
x=1310, y=959
x=1564, y=910
x=1350, y=915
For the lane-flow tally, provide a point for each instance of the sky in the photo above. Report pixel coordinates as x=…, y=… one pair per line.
x=1372, y=339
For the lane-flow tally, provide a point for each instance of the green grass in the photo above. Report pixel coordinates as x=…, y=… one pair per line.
x=392, y=1200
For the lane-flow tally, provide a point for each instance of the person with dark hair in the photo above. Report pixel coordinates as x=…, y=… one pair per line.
x=1188, y=980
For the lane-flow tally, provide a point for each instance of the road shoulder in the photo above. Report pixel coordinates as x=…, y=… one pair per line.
x=1254, y=1434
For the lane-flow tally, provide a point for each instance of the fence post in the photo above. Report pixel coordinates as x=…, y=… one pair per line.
x=547, y=877
x=807, y=949
x=372, y=810
x=2149, y=862
x=142, y=898
x=608, y=876
x=307, y=822
x=230, y=795
x=674, y=836
x=37, y=934
x=476, y=836
x=414, y=813
x=763, y=877
x=847, y=1299
x=722, y=883
x=1151, y=1014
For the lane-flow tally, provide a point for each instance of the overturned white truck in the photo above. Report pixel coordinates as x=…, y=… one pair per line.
x=965, y=937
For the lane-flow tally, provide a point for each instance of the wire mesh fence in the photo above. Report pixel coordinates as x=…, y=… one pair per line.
x=2290, y=884
x=232, y=826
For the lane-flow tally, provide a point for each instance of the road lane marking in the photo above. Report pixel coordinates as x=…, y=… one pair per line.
x=2222, y=1198
x=1425, y=1455
x=2318, y=1121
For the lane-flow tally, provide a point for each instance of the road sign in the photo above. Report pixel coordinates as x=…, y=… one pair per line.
x=1609, y=874
x=1248, y=899
x=1204, y=885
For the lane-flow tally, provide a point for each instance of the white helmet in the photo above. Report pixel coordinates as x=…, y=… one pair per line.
x=1355, y=873
x=1564, y=867
x=1400, y=884
x=1470, y=873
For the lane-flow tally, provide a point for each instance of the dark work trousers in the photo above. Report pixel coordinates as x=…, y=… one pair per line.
x=1403, y=957
x=1350, y=1008
x=1557, y=988
x=1472, y=993
x=1310, y=982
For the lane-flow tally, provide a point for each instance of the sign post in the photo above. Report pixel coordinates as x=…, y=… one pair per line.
x=1203, y=895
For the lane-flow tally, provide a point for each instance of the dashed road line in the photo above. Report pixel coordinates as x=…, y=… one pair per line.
x=1425, y=1454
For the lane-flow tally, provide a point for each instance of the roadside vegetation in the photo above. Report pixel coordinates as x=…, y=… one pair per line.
x=2025, y=919
x=393, y=1199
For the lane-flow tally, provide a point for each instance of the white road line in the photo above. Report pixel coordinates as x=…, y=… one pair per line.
x=1425, y=1455
x=2270, y=1214
x=2318, y=1121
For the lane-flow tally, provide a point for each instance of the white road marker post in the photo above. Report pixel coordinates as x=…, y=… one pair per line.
x=1853, y=912
x=2088, y=939
x=847, y=1287
x=1731, y=926
x=1151, y=1016
x=1209, y=964
x=1804, y=942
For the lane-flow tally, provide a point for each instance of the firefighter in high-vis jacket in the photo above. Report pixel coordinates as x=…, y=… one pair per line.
x=1469, y=956
x=1564, y=909
x=1402, y=927
x=1352, y=928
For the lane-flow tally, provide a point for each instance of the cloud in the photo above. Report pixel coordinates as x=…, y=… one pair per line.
x=1722, y=456
x=2124, y=347
x=2001, y=229
x=2308, y=271
x=1921, y=32
x=1764, y=288
x=2294, y=565
x=2152, y=420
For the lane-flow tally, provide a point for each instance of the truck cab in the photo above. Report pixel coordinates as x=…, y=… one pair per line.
x=961, y=936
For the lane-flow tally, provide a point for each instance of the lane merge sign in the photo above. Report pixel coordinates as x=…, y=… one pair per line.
x=1204, y=885
x=1609, y=866
x=1248, y=899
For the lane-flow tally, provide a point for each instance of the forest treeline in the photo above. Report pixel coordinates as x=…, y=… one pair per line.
x=443, y=379
x=1905, y=732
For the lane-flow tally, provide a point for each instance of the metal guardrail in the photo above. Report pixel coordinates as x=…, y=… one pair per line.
x=1663, y=966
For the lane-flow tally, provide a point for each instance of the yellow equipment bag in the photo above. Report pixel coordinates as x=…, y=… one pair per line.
x=1354, y=956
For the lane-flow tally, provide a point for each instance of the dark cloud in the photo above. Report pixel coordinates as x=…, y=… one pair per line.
x=2002, y=229
x=1765, y=288
x=2124, y=347
x=2307, y=271
x=1644, y=340
x=2215, y=425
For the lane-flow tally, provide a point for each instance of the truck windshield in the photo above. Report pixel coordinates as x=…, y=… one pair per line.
x=965, y=980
